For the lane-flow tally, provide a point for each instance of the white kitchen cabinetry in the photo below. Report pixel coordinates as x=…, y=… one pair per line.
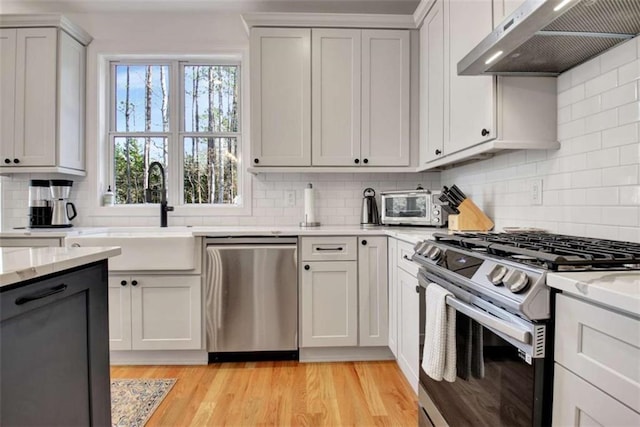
x=372, y=291
x=599, y=347
x=42, y=91
x=466, y=117
x=504, y=8
x=404, y=309
x=281, y=96
x=358, y=106
x=343, y=294
x=148, y=312
x=392, y=251
x=329, y=304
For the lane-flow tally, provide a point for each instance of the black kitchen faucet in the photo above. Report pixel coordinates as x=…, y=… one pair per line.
x=151, y=193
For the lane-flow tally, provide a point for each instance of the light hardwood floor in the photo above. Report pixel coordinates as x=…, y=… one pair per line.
x=282, y=394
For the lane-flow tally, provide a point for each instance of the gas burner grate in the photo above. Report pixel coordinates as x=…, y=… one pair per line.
x=552, y=251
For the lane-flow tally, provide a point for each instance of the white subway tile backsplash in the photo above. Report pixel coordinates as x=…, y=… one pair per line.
x=603, y=196
x=601, y=83
x=604, y=120
x=621, y=55
x=629, y=113
x=584, y=72
x=622, y=216
x=630, y=195
x=571, y=129
x=630, y=154
x=620, y=175
x=621, y=135
x=620, y=96
x=583, y=144
x=571, y=96
x=629, y=72
x=597, y=160
x=586, y=107
x=586, y=179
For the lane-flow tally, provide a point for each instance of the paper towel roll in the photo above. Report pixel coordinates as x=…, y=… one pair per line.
x=309, y=205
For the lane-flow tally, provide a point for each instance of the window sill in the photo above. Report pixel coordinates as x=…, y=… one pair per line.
x=182, y=210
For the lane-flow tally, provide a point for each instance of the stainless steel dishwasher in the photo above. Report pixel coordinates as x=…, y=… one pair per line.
x=251, y=294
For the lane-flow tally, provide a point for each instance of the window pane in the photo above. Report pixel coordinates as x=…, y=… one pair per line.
x=211, y=170
x=142, y=98
x=131, y=164
x=211, y=98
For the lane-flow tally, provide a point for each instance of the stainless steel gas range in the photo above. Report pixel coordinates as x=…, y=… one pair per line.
x=504, y=323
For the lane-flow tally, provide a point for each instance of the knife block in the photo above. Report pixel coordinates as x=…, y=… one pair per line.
x=470, y=218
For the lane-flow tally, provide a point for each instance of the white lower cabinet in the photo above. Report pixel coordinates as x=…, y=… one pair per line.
x=578, y=403
x=392, y=250
x=149, y=312
x=329, y=304
x=372, y=291
x=408, y=327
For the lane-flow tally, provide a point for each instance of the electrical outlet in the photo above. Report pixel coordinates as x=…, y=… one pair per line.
x=290, y=198
x=536, y=192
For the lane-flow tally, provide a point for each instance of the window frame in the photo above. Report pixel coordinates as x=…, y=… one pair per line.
x=177, y=134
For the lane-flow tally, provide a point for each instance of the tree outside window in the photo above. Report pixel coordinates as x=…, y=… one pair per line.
x=203, y=132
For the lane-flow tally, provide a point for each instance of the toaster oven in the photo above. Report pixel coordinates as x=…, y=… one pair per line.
x=413, y=207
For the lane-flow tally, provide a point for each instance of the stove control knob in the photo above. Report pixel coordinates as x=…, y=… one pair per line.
x=516, y=281
x=435, y=253
x=497, y=273
x=423, y=249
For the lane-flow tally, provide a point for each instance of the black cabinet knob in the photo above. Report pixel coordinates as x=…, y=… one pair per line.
x=123, y=283
x=356, y=161
x=134, y=283
x=485, y=132
x=7, y=161
x=365, y=161
x=256, y=161
x=364, y=242
x=16, y=161
x=307, y=267
x=438, y=152
x=417, y=289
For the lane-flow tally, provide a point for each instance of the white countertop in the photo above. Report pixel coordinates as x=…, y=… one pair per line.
x=409, y=234
x=19, y=264
x=616, y=289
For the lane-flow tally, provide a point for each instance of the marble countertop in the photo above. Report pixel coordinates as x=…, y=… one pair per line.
x=20, y=264
x=616, y=289
x=409, y=234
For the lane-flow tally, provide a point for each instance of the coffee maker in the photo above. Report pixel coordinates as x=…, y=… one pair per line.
x=60, y=216
x=39, y=203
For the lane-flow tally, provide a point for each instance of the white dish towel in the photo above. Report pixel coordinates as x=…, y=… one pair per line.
x=439, y=352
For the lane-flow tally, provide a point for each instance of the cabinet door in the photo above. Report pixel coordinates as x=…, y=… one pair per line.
x=372, y=291
x=281, y=96
x=408, y=327
x=578, y=403
x=472, y=103
x=335, y=94
x=7, y=93
x=329, y=304
x=392, y=251
x=166, y=313
x=71, y=105
x=385, y=97
x=35, y=106
x=119, y=313
x=432, y=89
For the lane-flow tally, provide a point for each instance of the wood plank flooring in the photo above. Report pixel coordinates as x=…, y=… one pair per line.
x=282, y=394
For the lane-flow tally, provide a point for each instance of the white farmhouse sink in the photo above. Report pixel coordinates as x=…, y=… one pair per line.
x=145, y=249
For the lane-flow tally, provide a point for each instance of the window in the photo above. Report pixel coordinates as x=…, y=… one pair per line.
x=184, y=116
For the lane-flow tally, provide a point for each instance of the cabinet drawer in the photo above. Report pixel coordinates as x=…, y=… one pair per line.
x=405, y=251
x=578, y=403
x=333, y=248
x=601, y=346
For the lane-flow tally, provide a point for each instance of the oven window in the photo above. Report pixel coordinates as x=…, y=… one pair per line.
x=406, y=207
x=499, y=389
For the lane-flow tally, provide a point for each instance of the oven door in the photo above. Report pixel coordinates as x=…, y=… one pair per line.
x=497, y=383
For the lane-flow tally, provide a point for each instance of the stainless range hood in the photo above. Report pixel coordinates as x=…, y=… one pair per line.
x=548, y=37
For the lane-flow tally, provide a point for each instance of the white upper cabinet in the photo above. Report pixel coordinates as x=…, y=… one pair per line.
x=464, y=117
x=471, y=99
x=385, y=97
x=432, y=91
x=42, y=91
x=281, y=96
x=356, y=112
x=336, y=69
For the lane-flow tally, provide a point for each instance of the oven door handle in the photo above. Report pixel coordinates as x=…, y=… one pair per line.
x=492, y=322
